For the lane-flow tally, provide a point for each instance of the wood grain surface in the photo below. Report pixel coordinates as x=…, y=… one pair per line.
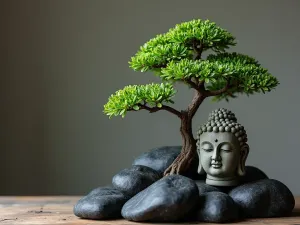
x=58, y=210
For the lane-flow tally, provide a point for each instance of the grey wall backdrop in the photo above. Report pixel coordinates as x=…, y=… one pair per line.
x=60, y=61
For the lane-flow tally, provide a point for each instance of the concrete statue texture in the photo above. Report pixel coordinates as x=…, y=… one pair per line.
x=222, y=149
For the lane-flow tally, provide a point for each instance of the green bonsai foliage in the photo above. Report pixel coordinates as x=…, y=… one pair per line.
x=175, y=56
x=135, y=97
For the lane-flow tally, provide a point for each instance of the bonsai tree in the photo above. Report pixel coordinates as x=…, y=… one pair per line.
x=176, y=56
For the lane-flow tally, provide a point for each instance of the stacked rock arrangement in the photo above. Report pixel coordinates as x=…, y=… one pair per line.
x=141, y=193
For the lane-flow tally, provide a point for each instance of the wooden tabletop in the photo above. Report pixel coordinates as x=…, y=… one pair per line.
x=58, y=210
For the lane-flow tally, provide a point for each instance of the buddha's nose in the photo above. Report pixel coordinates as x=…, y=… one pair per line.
x=216, y=156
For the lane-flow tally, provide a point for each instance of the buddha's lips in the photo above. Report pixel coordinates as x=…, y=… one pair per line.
x=216, y=164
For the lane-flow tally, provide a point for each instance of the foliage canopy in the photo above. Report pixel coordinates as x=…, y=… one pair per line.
x=132, y=97
x=175, y=56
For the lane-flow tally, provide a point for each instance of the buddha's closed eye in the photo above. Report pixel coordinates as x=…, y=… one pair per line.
x=207, y=147
x=226, y=148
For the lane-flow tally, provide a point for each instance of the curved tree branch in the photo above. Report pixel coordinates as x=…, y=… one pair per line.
x=164, y=107
x=220, y=91
x=196, y=102
x=201, y=84
x=200, y=95
x=198, y=48
x=195, y=80
x=193, y=85
x=197, y=85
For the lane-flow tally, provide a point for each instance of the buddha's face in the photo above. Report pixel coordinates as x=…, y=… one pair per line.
x=219, y=154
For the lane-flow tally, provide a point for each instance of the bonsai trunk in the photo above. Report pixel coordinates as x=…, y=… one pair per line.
x=189, y=150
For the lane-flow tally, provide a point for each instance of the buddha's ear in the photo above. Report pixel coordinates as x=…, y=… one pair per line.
x=242, y=161
x=200, y=168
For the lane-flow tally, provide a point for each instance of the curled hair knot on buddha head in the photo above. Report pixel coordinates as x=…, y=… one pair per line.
x=223, y=120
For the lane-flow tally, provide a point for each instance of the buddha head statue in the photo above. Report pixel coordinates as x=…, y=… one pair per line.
x=222, y=149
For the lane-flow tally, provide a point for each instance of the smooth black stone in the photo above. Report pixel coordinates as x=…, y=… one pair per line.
x=217, y=207
x=263, y=198
x=135, y=179
x=252, y=174
x=102, y=190
x=161, y=158
x=204, y=188
x=158, y=159
x=169, y=199
x=101, y=203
